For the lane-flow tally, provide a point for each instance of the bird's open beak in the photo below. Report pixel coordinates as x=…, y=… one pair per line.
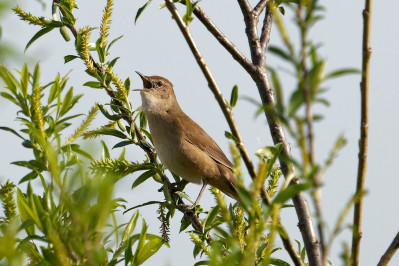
x=146, y=82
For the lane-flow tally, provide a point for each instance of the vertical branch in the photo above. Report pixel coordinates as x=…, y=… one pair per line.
x=361, y=173
x=311, y=154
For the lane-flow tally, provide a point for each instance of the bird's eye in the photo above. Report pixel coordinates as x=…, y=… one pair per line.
x=159, y=83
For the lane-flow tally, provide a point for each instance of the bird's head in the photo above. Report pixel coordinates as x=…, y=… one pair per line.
x=157, y=92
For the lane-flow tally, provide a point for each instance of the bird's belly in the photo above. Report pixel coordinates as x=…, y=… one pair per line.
x=174, y=156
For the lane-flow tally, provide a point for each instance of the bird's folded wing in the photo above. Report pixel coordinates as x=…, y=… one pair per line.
x=199, y=138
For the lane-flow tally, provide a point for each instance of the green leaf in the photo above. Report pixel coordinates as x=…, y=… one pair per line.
x=282, y=10
x=143, y=177
x=269, y=152
x=93, y=84
x=210, y=218
x=112, y=63
x=12, y=131
x=184, y=196
x=39, y=34
x=130, y=226
x=149, y=249
x=66, y=103
x=280, y=53
x=231, y=136
x=141, y=243
x=36, y=76
x=113, y=42
x=9, y=97
x=122, y=144
x=289, y=192
x=105, y=152
x=278, y=262
x=69, y=58
x=108, y=115
x=24, y=80
x=32, y=175
x=189, y=11
x=184, y=223
x=342, y=72
x=105, y=131
x=144, y=204
x=234, y=96
x=100, y=51
x=296, y=101
x=141, y=9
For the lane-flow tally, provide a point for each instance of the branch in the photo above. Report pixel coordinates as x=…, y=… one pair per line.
x=266, y=28
x=316, y=193
x=229, y=46
x=231, y=121
x=266, y=93
x=390, y=252
x=361, y=173
x=150, y=153
x=251, y=22
x=260, y=6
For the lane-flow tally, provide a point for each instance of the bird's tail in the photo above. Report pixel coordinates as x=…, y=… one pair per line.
x=227, y=183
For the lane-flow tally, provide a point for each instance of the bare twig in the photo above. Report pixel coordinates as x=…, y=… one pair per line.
x=226, y=43
x=390, y=252
x=231, y=121
x=266, y=28
x=361, y=173
x=260, y=6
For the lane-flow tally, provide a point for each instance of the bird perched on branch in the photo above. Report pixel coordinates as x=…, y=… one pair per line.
x=181, y=144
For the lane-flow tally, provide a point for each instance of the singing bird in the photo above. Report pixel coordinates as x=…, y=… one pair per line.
x=181, y=144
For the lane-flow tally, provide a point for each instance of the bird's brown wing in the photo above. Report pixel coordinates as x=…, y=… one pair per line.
x=198, y=137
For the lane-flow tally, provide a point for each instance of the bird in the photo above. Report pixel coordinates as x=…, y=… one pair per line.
x=181, y=144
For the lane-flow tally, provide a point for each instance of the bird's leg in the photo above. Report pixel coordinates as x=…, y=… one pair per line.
x=204, y=183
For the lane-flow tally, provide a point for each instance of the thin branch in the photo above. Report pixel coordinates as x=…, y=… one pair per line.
x=316, y=193
x=150, y=153
x=251, y=22
x=266, y=28
x=361, y=173
x=225, y=42
x=390, y=252
x=260, y=6
x=231, y=121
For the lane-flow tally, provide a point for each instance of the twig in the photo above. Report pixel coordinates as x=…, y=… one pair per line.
x=231, y=121
x=151, y=153
x=390, y=252
x=225, y=42
x=266, y=28
x=260, y=6
x=361, y=173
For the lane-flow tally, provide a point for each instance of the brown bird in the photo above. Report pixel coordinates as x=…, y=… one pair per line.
x=181, y=144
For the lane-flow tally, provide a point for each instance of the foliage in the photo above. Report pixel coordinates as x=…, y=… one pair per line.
x=68, y=222
x=74, y=220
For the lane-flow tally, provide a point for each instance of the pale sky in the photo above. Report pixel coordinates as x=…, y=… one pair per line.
x=155, y=46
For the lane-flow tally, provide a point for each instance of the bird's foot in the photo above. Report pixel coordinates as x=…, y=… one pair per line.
x=177, y=186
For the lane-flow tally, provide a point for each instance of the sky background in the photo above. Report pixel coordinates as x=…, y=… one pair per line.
x=155, y=46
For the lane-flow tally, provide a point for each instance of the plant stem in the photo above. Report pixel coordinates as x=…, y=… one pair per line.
x=390, y=251
x=361, y=173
